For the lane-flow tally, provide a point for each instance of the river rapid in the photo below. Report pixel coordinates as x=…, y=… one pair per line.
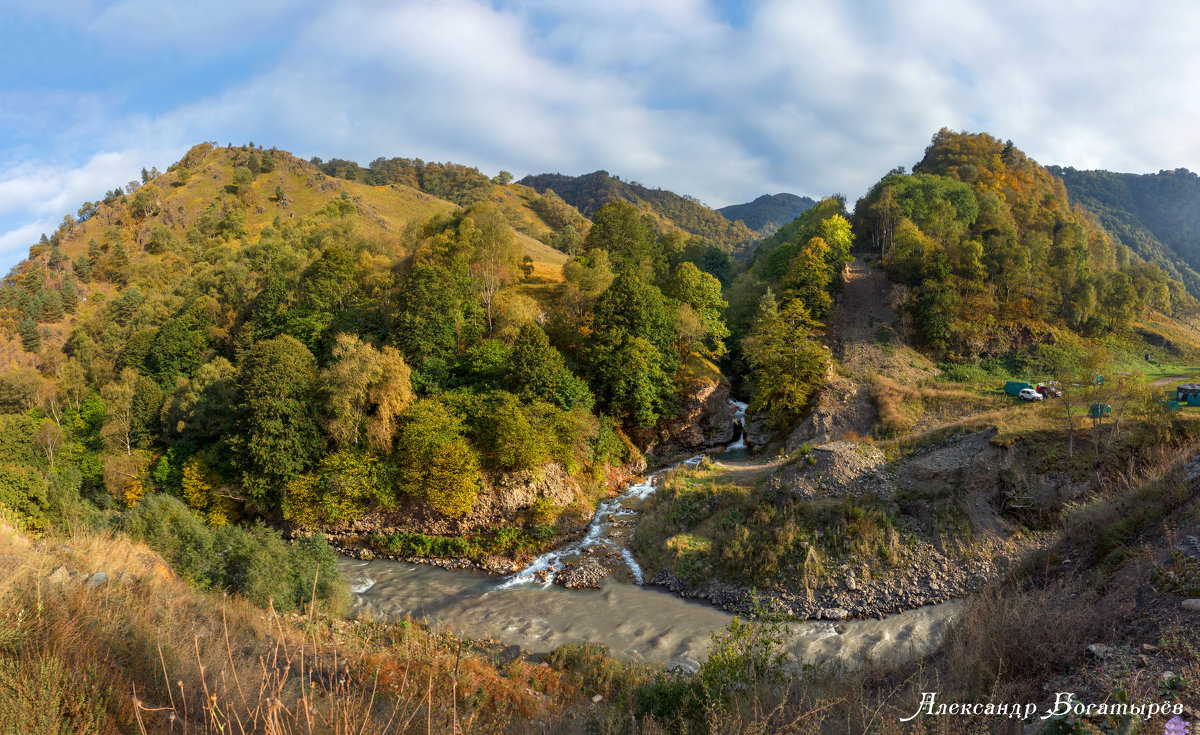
x=634, y=621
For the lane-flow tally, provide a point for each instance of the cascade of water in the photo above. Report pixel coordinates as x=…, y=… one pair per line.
x=547, y=566
x=739, y=418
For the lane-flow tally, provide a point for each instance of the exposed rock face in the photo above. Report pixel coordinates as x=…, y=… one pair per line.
x=511, y=492
x=705, y=419
x=757, y=431
x=843, y=406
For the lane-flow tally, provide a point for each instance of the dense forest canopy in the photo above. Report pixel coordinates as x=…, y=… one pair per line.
x=993, y=251
x=1155, y=215
x=261, y=341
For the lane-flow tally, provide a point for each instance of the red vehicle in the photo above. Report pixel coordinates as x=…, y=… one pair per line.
x=1048, y=390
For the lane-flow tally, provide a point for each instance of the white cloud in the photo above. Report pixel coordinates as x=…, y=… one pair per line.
x=812, y=98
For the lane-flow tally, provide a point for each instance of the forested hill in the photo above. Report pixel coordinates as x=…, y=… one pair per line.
x=996, y=255
x=1156, y=215
x=591, y=191
x=266, y=340
x=769, y=212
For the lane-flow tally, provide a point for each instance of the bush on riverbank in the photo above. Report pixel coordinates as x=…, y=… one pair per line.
x=505, y=540
x=254, y=562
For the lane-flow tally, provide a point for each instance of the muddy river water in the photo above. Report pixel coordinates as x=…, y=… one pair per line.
x=634, y=621
x=639, y=622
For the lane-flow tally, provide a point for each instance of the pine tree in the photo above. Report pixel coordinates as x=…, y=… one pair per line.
x=51, y=309
x=83, y=269
x=70, y=296
x=31, y=337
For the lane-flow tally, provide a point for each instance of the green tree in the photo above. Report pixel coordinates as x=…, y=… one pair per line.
x=31, y=336
x=807, y=278
x=701, y=293
x=786, y=365
x=277, y=432
x=429, y=317
x=69, y=294
x=200, y=407
x=631, y=355
x=50, y=308
x=162, y=240
x=620, y=230
x=180, y=345
x=537, y=371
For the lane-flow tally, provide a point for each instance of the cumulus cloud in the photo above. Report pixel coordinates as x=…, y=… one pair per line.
x=814, y=98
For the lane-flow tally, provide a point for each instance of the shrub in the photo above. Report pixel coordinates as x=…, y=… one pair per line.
x=255, y=562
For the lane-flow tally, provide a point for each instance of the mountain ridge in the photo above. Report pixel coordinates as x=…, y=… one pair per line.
x=589, y=192
x=1155, y=215
x=768, y=212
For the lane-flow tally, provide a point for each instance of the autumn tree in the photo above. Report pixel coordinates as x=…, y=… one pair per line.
x=434, y=460
x=120, y=420
x=495, y=252
x=366, y=390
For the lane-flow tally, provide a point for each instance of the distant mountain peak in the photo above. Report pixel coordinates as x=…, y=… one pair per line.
x=768, y=212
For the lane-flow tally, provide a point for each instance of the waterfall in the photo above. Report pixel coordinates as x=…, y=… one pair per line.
x=547, y=566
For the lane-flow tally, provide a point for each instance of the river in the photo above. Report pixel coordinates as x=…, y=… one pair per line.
x=639, y=622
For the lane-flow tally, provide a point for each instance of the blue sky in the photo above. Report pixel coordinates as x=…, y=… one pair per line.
x=724, y=101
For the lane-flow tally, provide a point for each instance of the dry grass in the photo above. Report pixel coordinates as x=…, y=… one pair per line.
x=147, y=653
x=903, y=408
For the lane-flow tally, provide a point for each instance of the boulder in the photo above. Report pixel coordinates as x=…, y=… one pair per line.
x=1192, y=604
x=757, y=431
x=589, y=573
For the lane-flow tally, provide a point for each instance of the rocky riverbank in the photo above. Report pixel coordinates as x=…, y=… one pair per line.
x=933, y=580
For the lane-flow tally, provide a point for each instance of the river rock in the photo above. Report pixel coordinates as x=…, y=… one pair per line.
x=833, y=613
x=588, y=573
x=1192, y=604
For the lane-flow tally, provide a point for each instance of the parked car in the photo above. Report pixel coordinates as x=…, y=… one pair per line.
x=1030, y=394
x=1048, y=390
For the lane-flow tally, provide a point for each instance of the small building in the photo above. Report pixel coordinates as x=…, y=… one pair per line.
x=1185, y=392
